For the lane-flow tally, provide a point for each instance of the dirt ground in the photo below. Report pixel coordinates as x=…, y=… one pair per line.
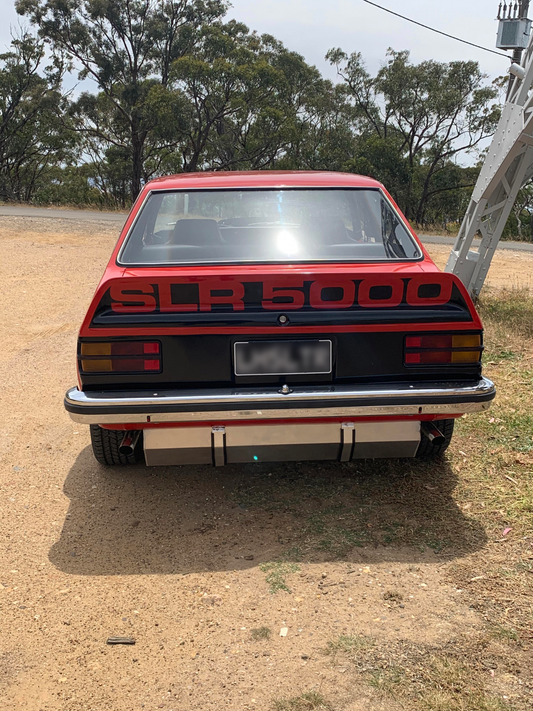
x=204, y=567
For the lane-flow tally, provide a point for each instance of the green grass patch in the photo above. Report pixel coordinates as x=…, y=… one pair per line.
x=276, y=575
x=349, y=645
x=386, y=681
x=260, y=633
x=507, y=634
x=499, y=355
x=497, y=473
x=308, y=701
x=512, y=430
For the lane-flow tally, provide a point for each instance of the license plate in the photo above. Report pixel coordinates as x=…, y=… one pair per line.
x=283, y=358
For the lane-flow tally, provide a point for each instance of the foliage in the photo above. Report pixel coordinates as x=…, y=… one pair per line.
x=32, y=135
x=127, y=49
x=245, y=93
x=177, y=88
x=420, y=115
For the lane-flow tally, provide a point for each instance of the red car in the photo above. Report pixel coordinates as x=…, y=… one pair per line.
x=274, y=316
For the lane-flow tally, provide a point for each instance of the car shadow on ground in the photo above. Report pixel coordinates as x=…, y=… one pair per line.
x=139, y=520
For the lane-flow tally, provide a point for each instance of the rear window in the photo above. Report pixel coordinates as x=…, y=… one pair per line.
x=289, y=225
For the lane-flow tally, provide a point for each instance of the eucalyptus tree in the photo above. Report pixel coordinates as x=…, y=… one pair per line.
x=432, y=111
x=127, y=47
x=32, y=134
x=246, y=93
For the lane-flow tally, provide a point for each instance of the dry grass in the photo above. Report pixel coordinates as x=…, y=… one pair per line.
x=493, y=455
x=452, y=678
x=348, y=645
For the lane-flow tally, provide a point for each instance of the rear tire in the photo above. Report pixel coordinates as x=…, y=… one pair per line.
x=106, y=445
x=429, y=450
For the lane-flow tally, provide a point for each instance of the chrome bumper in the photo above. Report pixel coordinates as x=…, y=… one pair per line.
x=300, y=402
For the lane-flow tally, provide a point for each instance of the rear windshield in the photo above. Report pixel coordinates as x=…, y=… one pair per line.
x=289, y=225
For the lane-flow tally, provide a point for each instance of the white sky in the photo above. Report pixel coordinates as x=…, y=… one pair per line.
x=311, y=27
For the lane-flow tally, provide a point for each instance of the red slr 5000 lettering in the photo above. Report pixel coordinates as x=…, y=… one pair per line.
x=383, y=291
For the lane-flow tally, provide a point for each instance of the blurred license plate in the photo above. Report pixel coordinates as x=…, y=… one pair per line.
x=283, y=358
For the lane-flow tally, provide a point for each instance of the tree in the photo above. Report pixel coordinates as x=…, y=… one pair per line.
x=522, y=209
x=324, y=138
x=32, y=135
x=246, y=94
x=382, y=158
x=432, y=111
x=127, y=47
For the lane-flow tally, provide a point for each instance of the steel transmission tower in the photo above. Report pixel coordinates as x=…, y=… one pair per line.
x=509, y=162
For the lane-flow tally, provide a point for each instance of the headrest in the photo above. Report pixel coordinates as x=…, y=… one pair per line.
x=326, y=230
x=196, y=232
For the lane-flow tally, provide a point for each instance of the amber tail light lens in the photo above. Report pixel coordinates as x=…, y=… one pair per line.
x=121, y=357
x=443, y=349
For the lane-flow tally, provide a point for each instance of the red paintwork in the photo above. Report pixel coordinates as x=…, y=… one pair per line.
x=280, y=275
x=284, y=274
x=309, y=421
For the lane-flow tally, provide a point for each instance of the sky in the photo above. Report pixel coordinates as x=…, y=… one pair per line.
x=311, y=27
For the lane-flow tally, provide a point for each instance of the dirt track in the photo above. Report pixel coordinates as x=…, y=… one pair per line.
x=172, y=557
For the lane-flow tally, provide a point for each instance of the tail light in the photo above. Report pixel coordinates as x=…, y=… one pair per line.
x=443, y=349
x=120, y=357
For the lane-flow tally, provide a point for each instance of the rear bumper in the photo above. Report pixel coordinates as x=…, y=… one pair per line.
x=247, y=404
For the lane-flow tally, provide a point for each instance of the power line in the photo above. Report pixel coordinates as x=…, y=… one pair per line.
x=427, y=27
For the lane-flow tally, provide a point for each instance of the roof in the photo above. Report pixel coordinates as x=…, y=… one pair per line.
x=263, y=179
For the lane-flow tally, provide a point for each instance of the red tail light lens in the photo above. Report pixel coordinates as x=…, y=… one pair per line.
x=120, y=357
x=443, y=349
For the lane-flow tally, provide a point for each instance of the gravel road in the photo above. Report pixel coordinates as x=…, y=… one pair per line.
x=120, y=218
x=60, y=214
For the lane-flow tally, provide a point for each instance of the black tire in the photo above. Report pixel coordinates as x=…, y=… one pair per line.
x=105, y=447
x=429, y=450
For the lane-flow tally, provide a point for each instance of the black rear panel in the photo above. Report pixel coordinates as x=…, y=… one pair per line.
x=206, y=361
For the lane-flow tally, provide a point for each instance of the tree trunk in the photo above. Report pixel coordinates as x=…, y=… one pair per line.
x=137, y=164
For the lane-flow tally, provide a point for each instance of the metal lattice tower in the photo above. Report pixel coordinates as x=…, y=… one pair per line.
x=507, y=168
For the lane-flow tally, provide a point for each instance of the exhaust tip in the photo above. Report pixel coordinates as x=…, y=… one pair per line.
x=434, y=435
x=129, y=442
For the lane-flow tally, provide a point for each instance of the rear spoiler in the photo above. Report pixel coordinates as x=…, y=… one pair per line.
x=299, y=302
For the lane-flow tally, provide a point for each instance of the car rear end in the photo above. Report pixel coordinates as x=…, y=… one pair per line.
x=294, y=318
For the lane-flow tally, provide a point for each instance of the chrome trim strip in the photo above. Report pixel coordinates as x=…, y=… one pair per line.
x=293, y=414
x=408, y=401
